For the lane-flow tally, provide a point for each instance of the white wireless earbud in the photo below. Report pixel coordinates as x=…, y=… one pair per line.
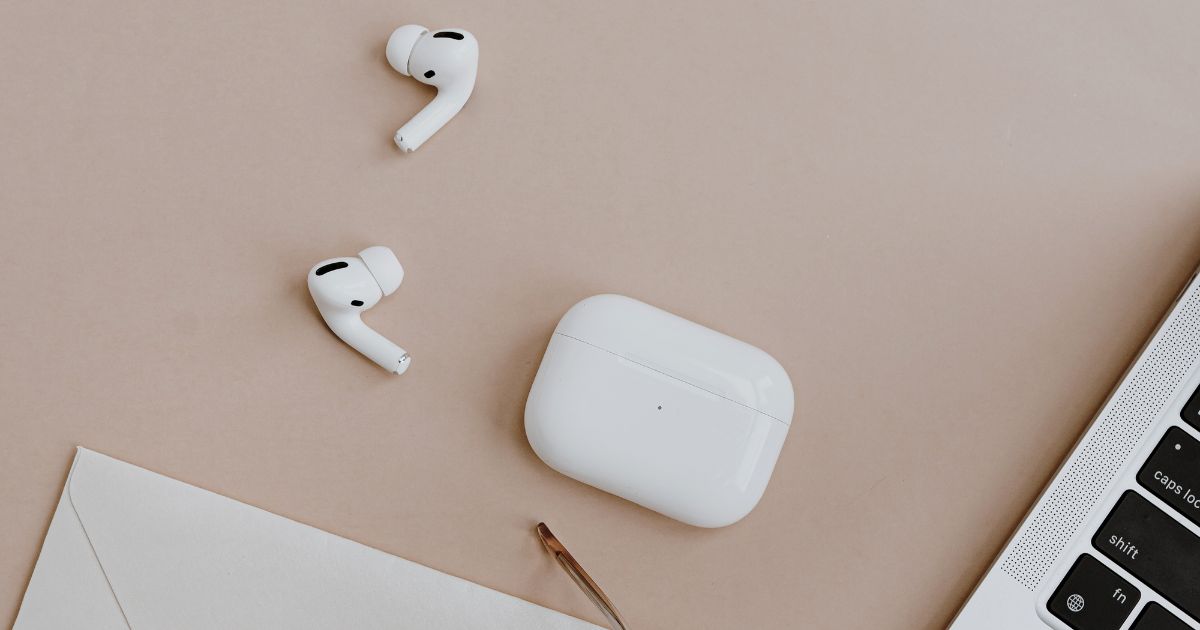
x=448, y=60
x=345, y=287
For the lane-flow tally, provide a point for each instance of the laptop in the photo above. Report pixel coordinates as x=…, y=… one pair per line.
x=1113, y=543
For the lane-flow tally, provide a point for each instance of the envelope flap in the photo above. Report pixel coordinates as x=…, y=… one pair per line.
x=180, y=557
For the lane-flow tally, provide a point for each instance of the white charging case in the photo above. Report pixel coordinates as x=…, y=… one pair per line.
x=659, y=410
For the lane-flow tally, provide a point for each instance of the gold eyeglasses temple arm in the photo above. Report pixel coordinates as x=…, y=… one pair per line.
x=580, y=577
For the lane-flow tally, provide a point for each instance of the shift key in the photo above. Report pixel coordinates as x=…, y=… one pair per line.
x=1154, y=548
x=1173, y=473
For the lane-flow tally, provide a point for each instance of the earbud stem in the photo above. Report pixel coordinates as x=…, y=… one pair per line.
x=448, y=102
x=350, y=328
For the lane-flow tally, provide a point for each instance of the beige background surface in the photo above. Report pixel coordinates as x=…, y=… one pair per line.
x=954, y=223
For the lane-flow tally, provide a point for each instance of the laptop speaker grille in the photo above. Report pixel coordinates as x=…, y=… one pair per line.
x=1147, y=390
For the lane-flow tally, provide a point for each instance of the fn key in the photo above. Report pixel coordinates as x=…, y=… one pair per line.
x=1092, y=597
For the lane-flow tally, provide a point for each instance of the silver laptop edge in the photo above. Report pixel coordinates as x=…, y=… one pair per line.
x=1102, y=468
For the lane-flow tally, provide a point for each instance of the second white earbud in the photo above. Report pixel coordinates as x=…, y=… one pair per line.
x=446, y=59
x=345, y=287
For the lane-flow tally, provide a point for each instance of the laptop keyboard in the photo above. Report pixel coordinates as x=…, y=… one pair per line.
x=1155, y=549
x=1093, y=597
x=1173, y=473
x=1155, y=617
x=1152, y=546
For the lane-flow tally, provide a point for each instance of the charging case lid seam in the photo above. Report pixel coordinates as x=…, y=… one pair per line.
x=672, y=376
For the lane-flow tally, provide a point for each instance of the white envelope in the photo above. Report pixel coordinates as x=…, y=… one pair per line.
x=132, y=550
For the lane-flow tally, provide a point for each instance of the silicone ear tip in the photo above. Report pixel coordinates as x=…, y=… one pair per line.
x=382, y=264
x=400, y=46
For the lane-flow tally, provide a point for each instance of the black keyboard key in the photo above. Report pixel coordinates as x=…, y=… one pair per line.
x=1092, y=597
x=1155, y=617
x=1155, y=548
x=1191, y=411
x=1173, y=473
